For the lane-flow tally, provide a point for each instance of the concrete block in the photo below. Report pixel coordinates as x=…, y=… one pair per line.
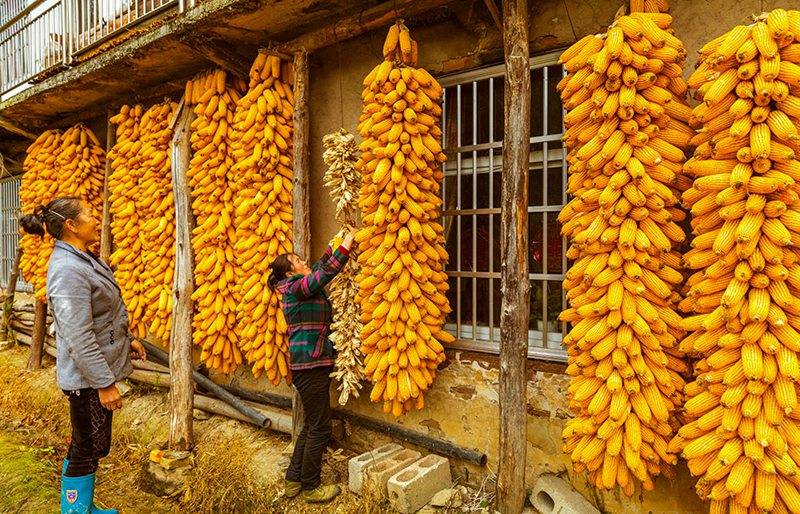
x=379, y=473
x=358, y=465
x=553, y=495
x=412, y=488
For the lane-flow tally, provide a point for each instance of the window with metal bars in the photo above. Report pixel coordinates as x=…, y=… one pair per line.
x=9, y=230
x=472, y=130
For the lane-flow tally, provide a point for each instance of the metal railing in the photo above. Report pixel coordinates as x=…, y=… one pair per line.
x=42, y=35
x=32, y=44
x=94, y=21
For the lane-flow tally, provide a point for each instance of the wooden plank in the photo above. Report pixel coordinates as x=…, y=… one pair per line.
x=105, y=225
x=301, y=220
x=37, y=339
x=380, y=16
x=181, y=436
x=218, y=51
x=8, y=301
x=14, y=128
x=515, y=285
x=495, y=12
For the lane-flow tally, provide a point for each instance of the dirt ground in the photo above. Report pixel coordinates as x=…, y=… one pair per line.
x=237, y=469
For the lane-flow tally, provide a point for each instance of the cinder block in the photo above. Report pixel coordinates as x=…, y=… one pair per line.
x=412, y=488
x=553, y=495
x=358, y=464
x=379, y=473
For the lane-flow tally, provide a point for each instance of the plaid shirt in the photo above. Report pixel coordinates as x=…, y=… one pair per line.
x=308, y=312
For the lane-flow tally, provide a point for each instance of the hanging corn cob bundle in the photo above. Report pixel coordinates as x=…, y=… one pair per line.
x=344, y=181
x=38, y=187
x=81, y=168
x=626, y=133
x=402, y=283
x=214, y=102
x=261, y=146
x=743, y=420
x=123, y=195
x=69, y=164
x=156, y=208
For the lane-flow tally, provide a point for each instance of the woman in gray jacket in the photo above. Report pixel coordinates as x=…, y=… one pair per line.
x=94, y=345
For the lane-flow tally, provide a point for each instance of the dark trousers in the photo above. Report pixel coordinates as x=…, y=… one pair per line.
x=306, y=465
x=91, y=432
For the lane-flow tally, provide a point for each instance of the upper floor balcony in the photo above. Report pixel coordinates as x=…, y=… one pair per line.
x=39, y=38
x=64, y=61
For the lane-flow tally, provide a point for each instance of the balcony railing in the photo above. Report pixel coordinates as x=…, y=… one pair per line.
x=39, y=36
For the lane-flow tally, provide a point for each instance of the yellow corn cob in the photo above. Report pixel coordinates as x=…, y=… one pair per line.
x=625, y=179
x=403, y=163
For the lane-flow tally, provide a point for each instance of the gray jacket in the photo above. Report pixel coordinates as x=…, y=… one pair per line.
x=91, y=323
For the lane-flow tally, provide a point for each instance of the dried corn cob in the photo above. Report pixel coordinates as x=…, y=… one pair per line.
x=741, y=409
x=626, y=134
x=260, y=141
x=344, y=181
x=213, y=99
x=402, y=283
x=68, y=164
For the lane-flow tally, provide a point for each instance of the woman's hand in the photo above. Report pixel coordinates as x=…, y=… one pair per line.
x=137, y=351
x=348, y=239
x=110, y=398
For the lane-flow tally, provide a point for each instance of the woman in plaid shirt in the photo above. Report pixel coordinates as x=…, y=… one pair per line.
x=309, y=315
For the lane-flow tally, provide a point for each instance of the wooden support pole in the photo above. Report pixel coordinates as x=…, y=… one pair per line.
x=302, y=226
x=302, y=222
x=515, y=285
x=105, y=225
x=37, y=339
x=8, y=301
x=181, y=397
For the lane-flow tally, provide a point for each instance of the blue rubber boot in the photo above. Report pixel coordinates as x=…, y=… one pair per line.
x=94, y=509
x=76, y=494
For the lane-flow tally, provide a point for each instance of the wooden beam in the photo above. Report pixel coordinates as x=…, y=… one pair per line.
x=37, y=339
x=181, y=436
x=495, y=12
x=8, y=301
x=14, y=128
x=218, y=51
x=301, y=221
x=277, y=53
x=514, y=284
x=381, y=15
x=105, y=225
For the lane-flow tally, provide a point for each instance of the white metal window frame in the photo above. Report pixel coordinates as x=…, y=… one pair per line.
x=9, y=230
x=545, y=343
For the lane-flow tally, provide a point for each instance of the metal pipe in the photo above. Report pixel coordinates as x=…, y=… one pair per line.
x=433, y=444
x=257, y=417
x=276, y=400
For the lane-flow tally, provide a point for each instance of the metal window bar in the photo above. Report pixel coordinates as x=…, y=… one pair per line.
x=483, y=334
x=9, y=230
